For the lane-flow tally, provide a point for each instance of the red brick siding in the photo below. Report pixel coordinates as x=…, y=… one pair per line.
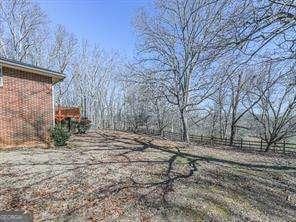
x=26, y=112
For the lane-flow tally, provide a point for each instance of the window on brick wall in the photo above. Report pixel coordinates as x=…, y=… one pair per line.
x=1, y=76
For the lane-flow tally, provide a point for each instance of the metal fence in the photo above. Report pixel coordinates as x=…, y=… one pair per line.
x=242, y=144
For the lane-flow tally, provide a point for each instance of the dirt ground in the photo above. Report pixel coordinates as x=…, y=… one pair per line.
x=116, y=176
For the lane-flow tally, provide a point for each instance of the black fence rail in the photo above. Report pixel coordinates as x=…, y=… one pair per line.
x=243, y=144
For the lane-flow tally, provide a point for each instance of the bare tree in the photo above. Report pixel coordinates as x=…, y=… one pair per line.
x=275, y=114
x=265, y=28
x=221, y=106
x=136, y=107
x=95, y=84
x=61, y=54
x=265, y=32
x=178, y=44
x=240, y=87
x=159, y=109
x=201, y=67
x=23, y=24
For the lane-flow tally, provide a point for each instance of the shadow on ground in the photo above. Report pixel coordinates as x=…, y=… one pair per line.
x=108, y=175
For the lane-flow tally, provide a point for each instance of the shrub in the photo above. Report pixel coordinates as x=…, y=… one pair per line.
x=73, y=124
x=60, y=135
x=83, y=125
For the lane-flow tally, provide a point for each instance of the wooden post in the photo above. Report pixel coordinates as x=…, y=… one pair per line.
x=241, y=144
x=284, y=147
x=201, y=138
x=261, y=144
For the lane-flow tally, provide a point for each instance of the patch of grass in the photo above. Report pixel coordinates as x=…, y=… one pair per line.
x=181, y=160
x=219, y=210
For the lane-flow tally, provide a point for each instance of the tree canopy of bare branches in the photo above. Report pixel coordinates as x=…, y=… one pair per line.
x=222, y=68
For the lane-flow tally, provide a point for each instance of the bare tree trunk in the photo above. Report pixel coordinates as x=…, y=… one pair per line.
x=232, y=134
x=185, y=134
x=267, y=147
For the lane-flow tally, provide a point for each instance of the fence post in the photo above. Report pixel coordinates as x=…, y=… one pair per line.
x=284, y=147
x=261, y=145
x=241, y=143
x=201, y=138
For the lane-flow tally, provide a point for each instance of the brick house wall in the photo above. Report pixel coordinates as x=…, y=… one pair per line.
x=26, y=112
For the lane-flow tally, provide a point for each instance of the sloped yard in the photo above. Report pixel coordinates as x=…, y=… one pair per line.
x=118, y=176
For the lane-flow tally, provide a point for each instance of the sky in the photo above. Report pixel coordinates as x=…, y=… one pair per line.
x=104, y=22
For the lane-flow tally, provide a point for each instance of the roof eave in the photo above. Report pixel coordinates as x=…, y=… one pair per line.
x=56, y=77
x=56, y=80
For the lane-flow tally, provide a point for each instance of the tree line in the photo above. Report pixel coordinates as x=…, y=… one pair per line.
x=222, y=68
